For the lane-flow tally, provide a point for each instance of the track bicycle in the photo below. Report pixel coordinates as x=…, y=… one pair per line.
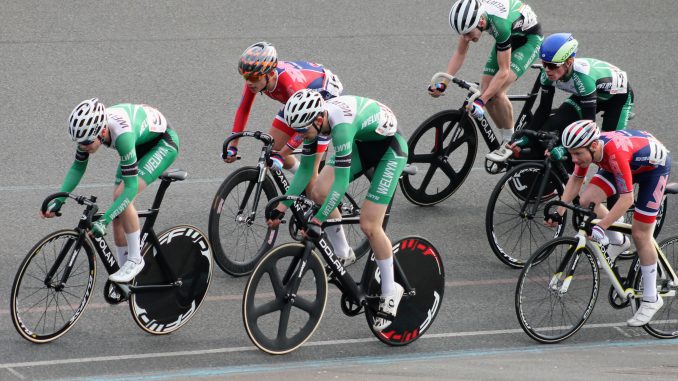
x=513, y=221
x=54, y=283
x=286, y=293
x=559, y=285
x=237, y=228
x=444, y=146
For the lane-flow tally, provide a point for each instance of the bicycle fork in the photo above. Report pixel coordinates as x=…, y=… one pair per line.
x=562, y=278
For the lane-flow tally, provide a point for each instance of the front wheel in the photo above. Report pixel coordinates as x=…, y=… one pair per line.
x=443, y=148
x=281, y=308
x=514, y=221
x=419, y=262
x=44, y=305
x=185, y=257
x=557, y=290
x=237, y=225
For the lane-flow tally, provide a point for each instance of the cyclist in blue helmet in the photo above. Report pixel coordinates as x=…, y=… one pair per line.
x=595, y=86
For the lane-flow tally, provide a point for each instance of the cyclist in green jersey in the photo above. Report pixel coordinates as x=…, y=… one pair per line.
x=147, y=147
x=364, y=135
x=595, y=86
x=517, y=35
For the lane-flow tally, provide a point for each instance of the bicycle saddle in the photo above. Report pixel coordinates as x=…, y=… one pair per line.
x=174, y=175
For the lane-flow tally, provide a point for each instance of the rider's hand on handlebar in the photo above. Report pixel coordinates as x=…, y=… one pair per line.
x=553, y=220
x=598, y=235
x=476, y=108
x=232, y=154
x=273, y=219
x=276, y=161
x=99, y=229
x=437, y=90
x=53, y=208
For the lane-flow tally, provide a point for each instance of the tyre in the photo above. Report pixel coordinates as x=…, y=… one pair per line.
x=557, y=290
x=187, y=254
x=42, y=308
x=664, y=324
x=237, y=224
x=513, y=230
x=276, y=323
x=442, y=173
x=423, y=267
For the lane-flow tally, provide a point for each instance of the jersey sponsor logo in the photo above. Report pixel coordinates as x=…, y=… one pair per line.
x=343, y=146
x=374, y=118
x=155, y=160
x=120, y=208
x=122, y=123
x=387, y=179
x=498, y=4
x=579, y=85
x=333, y=200
x=345, y=108
x=128, y=156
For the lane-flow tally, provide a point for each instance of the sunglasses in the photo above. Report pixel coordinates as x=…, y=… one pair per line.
x=253, y=77
x=551, y=65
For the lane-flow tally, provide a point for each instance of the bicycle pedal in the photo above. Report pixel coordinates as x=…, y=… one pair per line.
x=114, y=294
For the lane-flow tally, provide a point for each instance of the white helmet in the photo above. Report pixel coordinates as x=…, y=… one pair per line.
x=86, y=121
x=302, y=108
x=580, y=134
x=465, y=15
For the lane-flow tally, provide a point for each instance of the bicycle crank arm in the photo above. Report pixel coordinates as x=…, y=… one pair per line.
x=153, y=287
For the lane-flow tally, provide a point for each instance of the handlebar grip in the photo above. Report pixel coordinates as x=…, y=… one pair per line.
x=262, y=136
x=51, y=197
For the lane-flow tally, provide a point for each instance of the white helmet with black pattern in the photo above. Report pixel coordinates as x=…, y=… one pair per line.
x=465, y=15
x=87, y=120
x=302, y=108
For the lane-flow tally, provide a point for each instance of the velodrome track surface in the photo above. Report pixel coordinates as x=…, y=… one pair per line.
x=181, y=57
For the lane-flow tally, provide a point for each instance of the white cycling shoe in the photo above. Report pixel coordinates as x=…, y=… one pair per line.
x=645, y=312
x=499, y=155
x=348, y=260
x=127, y=272
x=388, y=305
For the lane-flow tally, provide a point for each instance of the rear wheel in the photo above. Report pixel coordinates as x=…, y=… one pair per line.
x=186, y=252
x=43, y=308
x=664, y=324
x=442, y=173
x=422, y=266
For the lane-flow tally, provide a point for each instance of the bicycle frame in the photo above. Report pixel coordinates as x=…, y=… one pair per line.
x=337, y=274
x=103, y=250
x=482, y=124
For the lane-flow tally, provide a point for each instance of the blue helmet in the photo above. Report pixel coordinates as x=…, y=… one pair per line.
x=558, y=47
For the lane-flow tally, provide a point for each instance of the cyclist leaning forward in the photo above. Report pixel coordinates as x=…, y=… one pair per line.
x=624, y=158
x=264, y=73
x=364, y=135
x=517, y=34
x=147, y=147
x=595, y=86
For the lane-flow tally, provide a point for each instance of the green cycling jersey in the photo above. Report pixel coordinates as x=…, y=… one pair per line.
x=590, y=76
x=356, y=122
x=145, y=144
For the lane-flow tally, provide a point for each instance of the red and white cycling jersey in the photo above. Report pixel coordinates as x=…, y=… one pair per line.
x=292, y=76
x=628, y=153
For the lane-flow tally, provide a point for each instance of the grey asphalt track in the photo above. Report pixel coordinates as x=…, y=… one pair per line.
x=181, y=57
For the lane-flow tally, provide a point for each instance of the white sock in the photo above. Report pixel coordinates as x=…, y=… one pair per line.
x=649, y=282
x=506, y=135
x=133, y=250
x=387, y=281
x=616, y=238
x=121, y=252
x=337, y=237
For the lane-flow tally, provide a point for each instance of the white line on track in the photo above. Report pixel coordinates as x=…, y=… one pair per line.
x=251, y=348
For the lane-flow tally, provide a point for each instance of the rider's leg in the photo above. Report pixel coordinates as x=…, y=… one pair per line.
x=335, y=233
x=596, y=192
x=616, y=111
x=280, y=139
x=126, y=226
x=500, y=107
x=371, y=223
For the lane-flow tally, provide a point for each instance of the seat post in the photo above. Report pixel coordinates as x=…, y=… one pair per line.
x=164, y=184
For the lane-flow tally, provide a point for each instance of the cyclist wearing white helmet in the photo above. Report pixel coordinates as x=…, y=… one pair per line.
x=624, y=158
x=595, y=86
x=147, y=146
x=364, y=135
x=264, y=73
x=517, y=36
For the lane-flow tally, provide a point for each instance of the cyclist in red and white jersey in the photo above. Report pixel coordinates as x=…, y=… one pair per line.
x=624, y=158
x=264, y=73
